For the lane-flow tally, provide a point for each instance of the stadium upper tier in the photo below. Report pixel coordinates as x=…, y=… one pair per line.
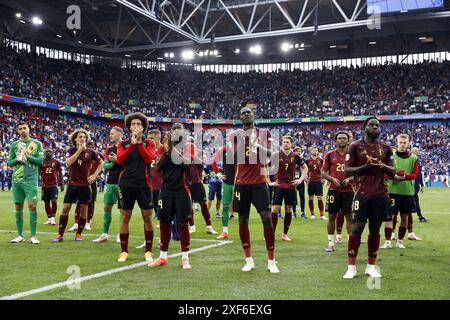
x=388, y=89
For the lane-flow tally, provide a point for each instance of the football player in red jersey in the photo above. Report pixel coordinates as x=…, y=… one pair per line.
x=340, y=193
x=368, y=160
x=135, y=155
x=79, y=160
x=51, y=175
x=314, y=181
x=285, y=183
x=251, y=186
x=174, y=199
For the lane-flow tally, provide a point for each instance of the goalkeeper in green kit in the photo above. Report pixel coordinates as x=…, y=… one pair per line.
x=25, y=155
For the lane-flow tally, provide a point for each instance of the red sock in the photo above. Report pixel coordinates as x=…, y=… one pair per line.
x=388, y=233
x=401, y=233
x=90, y=211
x=124, y=241
x=77, y=213
x=274, y=221
x=394, y=222
x=54, y=208
x=353, y=246
x=205, y=214
x=81, y=224
x=185, y=237
x=165, y=233
x=148, y=240
x=311, y=206
x=320, y=206
x=410, y=222
x=287, y=221
x=373, y=244
x=339, y=222
x=62, y=224
x=244, y=234
x=269, y=236
x=191, y=220
x=48, y=209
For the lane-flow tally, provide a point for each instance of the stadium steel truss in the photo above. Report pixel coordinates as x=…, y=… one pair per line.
x=126, y=26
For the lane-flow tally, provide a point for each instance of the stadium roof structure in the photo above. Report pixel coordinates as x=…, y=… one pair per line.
x=146, y=29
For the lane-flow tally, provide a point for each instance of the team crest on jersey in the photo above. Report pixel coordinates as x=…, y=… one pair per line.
x=86, y=155
x=347, y=157
x=292, y=160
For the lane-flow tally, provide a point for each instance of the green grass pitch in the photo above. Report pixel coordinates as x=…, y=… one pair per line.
x=421, y=271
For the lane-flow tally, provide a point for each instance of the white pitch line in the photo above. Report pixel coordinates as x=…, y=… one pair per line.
x=96, y=235
x=100, y=274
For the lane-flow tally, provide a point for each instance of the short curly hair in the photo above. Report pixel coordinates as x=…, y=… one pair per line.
x=74, y=135
x=137, y=115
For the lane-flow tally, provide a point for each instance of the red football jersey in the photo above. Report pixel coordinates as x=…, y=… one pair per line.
x=286, y=169
x=157, y=177
x=49, y=170
x=253, y=173
x=334, y=165
x=371, y=183
x=94, y=164
x=196, y=171
x=79, y=171
x=314, y=167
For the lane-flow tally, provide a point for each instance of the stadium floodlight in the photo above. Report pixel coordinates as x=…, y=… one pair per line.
x=59, y=36
x=18, y=15
x=36, y=20
x=200, y=53
x=302, y=45
x=237, y=51
x=333, y=46
x=22, y=21
x=171, y=55
x=216, y=52
x=256, y=49
x=422, y=38
x=372, y=42
x=285, y=47
x=296, y=46
x=128, y=55
x=187, y=54
x=166, y=55
x=80, y=42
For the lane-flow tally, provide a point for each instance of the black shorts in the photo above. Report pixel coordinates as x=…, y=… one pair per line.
x=402, y=203
x=49, y=194
x=339, y=202
x=129, y=195
x=288, y=195
x=315, y=188
x=246, y=195
x=94, y=191
x=174, y=202
x=374, y=209
x=76, y=194
x=198, y=192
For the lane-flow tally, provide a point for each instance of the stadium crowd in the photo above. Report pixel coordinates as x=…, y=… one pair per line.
x=382, y=89
x=52, y=128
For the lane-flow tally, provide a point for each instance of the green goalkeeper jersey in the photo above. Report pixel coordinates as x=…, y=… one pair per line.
x=28, y=170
